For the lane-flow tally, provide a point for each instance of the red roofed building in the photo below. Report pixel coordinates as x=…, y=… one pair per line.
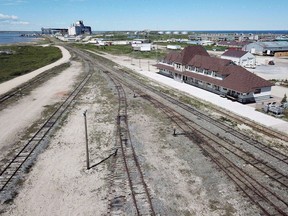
x=194, y=66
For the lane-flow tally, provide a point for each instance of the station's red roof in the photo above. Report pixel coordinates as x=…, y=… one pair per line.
x=236, y=77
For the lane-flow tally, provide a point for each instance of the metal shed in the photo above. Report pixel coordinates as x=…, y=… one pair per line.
x=266, y=48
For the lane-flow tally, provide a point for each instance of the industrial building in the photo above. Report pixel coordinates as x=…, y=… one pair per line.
x=239, y=57
x=50, y=31
x=271, y=48
x=194, y=66
x=79, y=28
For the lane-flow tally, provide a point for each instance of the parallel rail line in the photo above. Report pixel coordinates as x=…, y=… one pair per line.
x=263, y=195
x=18, y=90
x=228, y=129
x=260, y=193
x=139, y=190
x=13, y=167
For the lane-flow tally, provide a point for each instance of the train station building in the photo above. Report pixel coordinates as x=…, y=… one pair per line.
x=194, y=66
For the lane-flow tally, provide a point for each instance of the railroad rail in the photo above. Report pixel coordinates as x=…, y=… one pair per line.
x=228, y=129
x=260, y=192
x=264, y=130
x=11, y=170
x=18, y=90
x=129, y=162
x=263, y=195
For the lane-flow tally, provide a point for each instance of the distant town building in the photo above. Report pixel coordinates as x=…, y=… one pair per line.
x=140, y=41
x=269, y=48
x=61, y=31
x=232, y=44
x=239, y=57
x=173, y=47
x=142, y=47
x=194, y=66
x=79, y=28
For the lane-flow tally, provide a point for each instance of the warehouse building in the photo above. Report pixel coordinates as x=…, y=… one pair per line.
x=194, y=66
x=78, y=28
x=239, y=57
x=271, y=48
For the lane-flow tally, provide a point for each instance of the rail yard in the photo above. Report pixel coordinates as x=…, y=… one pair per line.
x=153, y=151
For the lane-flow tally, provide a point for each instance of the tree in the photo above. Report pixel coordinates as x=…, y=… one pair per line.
x=284, y=99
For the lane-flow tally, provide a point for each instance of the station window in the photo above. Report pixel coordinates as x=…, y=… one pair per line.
x=257, y=91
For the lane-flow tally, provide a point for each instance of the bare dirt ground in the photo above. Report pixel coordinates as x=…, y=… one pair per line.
x=28, y=110
x=59, y=183
x=182, y=180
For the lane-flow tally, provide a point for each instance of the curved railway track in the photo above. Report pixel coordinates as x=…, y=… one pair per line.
x=262, y=181
x=267, y=131
x=270, y=195
x=261, y=193
x=228, y=129
x=232, y=160
x=142, y=204
x=13, y=167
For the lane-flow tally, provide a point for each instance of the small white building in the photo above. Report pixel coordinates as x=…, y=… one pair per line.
x=173, y=47
x=142, y=47
x=239, y=57
x=140, y=41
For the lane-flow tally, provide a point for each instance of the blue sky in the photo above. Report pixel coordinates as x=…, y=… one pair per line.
x=145, y=14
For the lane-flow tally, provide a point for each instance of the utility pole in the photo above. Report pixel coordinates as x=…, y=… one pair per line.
x=86, y=140
x=148, y=66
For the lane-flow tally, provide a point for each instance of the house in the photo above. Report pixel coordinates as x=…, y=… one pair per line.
x=194, y=66
x=269, y=48
x=239, y=57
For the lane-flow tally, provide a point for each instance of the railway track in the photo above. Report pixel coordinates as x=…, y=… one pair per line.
x=267, y=131
x=269, y=198
x=128, y=162
x=15, y=166
x=261, y=193
x=18, y=90
x=224, y=127
x=265, y=196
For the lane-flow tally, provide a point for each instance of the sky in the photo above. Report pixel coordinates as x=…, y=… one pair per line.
x=122, y=15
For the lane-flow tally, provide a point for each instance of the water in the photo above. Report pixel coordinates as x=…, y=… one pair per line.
x=15, y=37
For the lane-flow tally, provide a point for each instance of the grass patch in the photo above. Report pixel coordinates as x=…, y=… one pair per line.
x=25, y=59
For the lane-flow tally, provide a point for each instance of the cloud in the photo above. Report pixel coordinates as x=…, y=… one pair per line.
x=11, y=19
x=12, y=2
x=7, y=17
